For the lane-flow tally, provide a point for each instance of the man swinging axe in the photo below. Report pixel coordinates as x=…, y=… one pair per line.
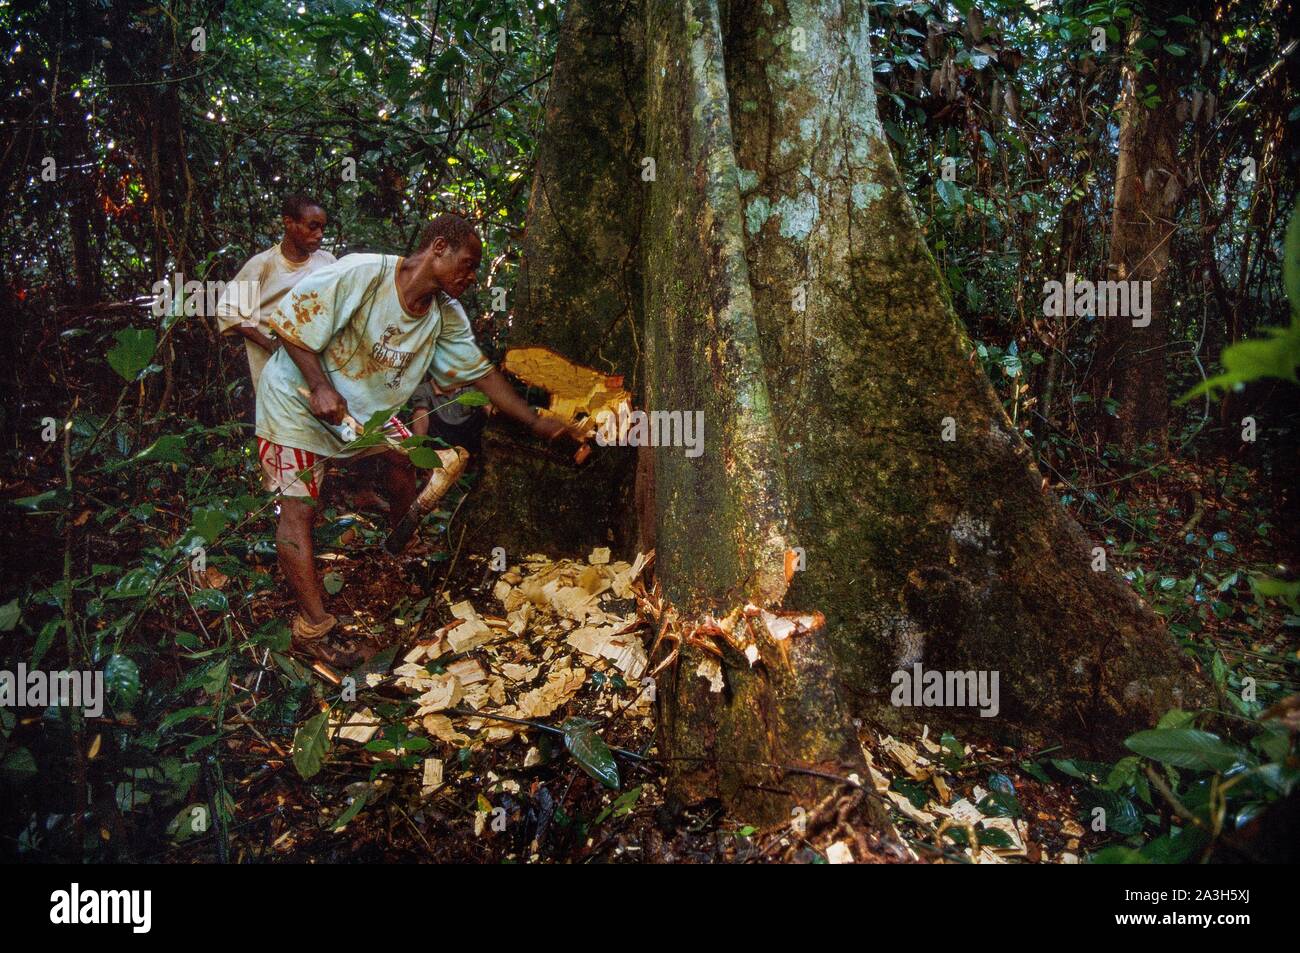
x=359, y=336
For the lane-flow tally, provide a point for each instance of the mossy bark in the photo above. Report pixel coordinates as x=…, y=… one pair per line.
x=723, y=524
x=788, y=293
x=920, y=549
x=579, y=289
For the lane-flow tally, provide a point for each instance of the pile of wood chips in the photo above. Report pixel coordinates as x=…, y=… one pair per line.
x=559, y=625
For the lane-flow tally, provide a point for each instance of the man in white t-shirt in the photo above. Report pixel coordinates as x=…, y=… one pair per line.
x=358, y=336
x=248, y=301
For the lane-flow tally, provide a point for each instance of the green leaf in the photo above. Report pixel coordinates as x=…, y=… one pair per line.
x=999, y=804
x=1186, y=748
x=473, y=397
x=1035, y=771
x=211, y=600
x=214, y=679
x=184, y=714
x=1122, y=815
x=122, y=678
x=950, y=193
x=18, y=765
x=9, y=613
x=1117, y=855
x=352, y=811
x=311, y=744
x=623, y=804
x=992, y=837
x=132, y=585
x=332, y=582
x=1176, y=847
x=426, y=458
x=1068, y=768
x=590, y=751
x=274, y=634
x=133, y=351
x=1176, y=718
x=191, y=821
x=43, y=642
x=166, y=449
x=51, y=501
x=209, y=524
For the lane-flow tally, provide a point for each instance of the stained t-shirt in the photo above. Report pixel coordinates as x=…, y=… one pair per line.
x=372, y=349
x=266, y=278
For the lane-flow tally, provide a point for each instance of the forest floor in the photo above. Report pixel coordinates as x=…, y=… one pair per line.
x=444, y=786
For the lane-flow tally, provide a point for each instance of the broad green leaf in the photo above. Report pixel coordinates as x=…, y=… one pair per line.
x=210, y=600
x=132, y=352
x=999, y=804
x=1176, y=847
x=426, y=458
x=9, y=613
x=332, y=582
x=166, y=449
x=1122, y=816
x=311, y=744
x=209, y=524
x=1186, y=748
x=590, y=751
x=122, y=678
x=950, y=193
x=132, y=585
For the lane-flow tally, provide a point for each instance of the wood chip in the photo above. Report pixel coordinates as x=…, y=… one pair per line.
x=360, y=727
x=431, y=780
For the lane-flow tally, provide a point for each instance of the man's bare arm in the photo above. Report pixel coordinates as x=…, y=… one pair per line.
x=326, y=403
x=257, y=337
x=503, y=396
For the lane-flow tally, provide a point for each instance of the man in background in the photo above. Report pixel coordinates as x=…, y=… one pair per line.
x=268, y=276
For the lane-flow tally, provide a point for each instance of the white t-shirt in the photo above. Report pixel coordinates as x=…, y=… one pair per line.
x=266, y=278
x=372, y=349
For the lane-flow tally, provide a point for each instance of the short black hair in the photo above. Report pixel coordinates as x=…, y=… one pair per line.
x=453, y=228
x=295, y=202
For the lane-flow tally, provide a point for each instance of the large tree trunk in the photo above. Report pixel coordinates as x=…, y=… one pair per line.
x=1130, y=364
x=579, y=290
x=789, y=295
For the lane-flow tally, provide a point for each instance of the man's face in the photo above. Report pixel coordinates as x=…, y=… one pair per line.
x=456, y=268
x=308, y=230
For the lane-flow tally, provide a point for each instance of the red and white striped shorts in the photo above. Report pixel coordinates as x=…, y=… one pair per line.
x=289, y=471
x=293, y=472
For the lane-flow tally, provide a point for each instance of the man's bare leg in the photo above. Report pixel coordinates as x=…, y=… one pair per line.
x=400, y=484
x=294, y=547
